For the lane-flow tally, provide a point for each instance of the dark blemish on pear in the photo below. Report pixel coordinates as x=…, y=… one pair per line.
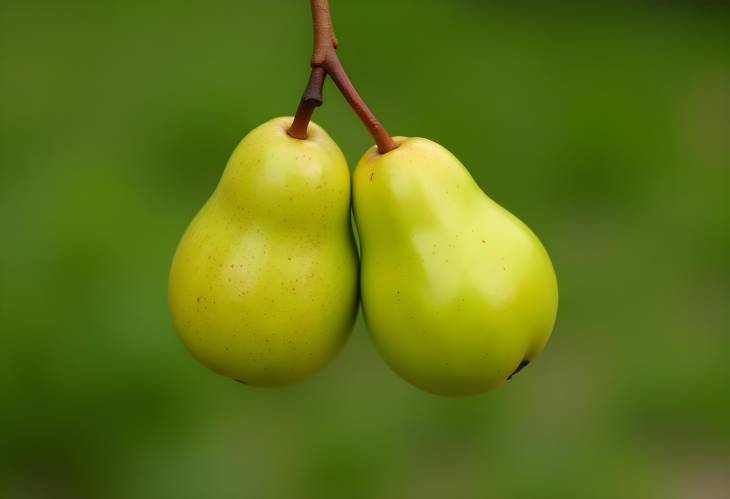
x=240, y=381
x=522, y=365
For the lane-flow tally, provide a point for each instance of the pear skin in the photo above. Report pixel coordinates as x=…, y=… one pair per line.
x=264, y=283
x=458, y=294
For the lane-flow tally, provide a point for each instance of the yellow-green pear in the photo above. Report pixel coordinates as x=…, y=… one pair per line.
x=264, y=284
x=458, y=294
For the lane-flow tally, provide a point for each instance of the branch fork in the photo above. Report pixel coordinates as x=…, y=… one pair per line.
x=325, y=62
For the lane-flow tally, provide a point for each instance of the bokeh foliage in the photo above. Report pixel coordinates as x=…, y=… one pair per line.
x=605, y=126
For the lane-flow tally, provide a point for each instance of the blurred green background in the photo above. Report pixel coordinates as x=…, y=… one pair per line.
x=605, y=126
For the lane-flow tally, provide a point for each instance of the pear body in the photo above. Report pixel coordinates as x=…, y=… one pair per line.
x=457, y=292
x=264, y=283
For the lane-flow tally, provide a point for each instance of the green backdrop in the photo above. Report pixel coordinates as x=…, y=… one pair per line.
x=604, y=126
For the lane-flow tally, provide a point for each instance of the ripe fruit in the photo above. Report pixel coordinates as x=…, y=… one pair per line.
x=458, y=294
x=263, y=286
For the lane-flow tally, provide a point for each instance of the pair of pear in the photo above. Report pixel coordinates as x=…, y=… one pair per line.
x=457, y=293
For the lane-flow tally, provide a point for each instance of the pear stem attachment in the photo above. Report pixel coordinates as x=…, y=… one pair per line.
x=325, y=62
x=311, y=99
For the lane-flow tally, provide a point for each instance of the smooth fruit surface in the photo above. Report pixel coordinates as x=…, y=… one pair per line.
x=457, y=292
x=263, y=286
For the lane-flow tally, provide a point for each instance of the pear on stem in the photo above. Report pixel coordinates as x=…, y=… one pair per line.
x=264, y=284
x=458, y=294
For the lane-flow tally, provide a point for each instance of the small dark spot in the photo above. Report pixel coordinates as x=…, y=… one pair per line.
x=522, y=365
x=241, y=381
x=198, y=299
x=483, y=241
x=371, y=175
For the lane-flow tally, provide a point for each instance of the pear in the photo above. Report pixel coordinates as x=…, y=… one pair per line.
x=264, y=283
x=457, y=293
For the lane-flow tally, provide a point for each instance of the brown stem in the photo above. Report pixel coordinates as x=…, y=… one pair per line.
x=311, y=99
x=334, y=68
x=325, y=60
